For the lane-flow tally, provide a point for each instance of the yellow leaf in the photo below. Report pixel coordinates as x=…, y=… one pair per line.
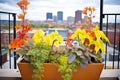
x=38, y=36
x=104, y=37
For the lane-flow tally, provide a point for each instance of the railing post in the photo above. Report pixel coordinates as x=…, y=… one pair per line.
x=9, y=41
x=0, y=45
x=14, y=33
x=101, y=13
x=119, y=51
x=114, y=40
x=106, y=43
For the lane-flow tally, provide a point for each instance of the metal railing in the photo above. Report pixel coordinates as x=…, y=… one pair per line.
x=114, y=39
x=7, y=33
x=111, y=27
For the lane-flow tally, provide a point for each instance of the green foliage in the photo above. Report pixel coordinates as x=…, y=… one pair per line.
x=37, y=56
x=83, y=55
x=99, y=56
x=33, y=25
x=69, y=27
x=38, y=25
x=60, y=57
x=68, y=69
x=55, y=54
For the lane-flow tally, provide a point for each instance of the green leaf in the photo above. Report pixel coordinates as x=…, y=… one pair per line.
x=71, y=58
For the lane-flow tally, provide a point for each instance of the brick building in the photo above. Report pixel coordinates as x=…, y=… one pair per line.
x=111, y=35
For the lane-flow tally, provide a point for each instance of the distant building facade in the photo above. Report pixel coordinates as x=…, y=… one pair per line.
x=49, y=16
x=55, y=18
x=78, y=16
x=70, y=20
x=59, y=16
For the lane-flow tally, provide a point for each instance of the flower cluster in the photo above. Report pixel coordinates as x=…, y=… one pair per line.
x=90, y=41
x=48, y=39
x=23, y=28
x=88, y=12
x=93, y=39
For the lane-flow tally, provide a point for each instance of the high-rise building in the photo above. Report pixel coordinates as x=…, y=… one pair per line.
x=78, y=16
x=59, y=16
x=49, y=16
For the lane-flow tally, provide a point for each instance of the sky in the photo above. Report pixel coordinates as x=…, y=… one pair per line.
x=38, y=8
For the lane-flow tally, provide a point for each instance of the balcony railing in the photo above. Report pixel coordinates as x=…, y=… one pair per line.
x=7, y=33
x=111, y=27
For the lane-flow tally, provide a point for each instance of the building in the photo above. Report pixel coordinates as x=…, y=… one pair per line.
x=78, y=16
x=59, y=16
x=49, y=16
x=55, y=18
x=70, y=20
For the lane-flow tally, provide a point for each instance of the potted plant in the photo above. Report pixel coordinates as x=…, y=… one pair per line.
x=45, y=59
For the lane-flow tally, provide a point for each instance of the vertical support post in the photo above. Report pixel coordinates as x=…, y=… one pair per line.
x=14, y=33
x=9, y=42
x=114, y=40
x=0, y=45
x=101, y=13
x=119, y=52
x=106, y=43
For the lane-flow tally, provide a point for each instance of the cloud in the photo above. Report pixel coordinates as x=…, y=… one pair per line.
x=111, y=9
x=11, y=2
x=112, y=2
x=7, y=7
x=38, y=8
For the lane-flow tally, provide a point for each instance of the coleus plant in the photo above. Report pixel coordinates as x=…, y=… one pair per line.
x=90, y=41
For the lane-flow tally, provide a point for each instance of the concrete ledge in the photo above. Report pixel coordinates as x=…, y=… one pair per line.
x=14, y=74
x=9, y=73
x=109, y=74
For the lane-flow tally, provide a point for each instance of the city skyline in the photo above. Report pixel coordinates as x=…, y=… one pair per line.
x=38, y=8
x=51, y=16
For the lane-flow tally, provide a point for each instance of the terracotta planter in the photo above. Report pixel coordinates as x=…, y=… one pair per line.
x=90, y=72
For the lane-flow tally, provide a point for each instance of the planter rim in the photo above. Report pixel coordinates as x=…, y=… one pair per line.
x=58, y=64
